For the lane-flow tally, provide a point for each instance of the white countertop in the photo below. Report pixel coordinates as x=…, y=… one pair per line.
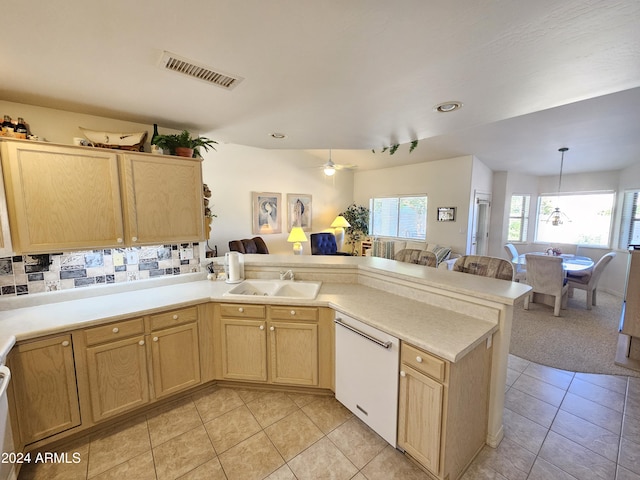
x=443, y=332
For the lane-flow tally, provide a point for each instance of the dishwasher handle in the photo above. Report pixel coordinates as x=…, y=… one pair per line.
x=386, y=345
x=5, y=376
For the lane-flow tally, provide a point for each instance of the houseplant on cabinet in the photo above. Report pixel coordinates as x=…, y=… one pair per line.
x=183, y=144
x=358, y=218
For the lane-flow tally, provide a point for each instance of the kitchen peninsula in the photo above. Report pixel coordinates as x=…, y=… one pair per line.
x=446, y=314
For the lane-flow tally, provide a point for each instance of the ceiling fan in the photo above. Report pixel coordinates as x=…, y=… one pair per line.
x=330, y=168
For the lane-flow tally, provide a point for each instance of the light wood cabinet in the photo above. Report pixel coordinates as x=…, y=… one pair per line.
x=162, y=199
x=130, y=363
x=118, y=379
x=443, y=408
x=275, y=344
x=63, y=198
x=44, y=387
x=176, y=361
x=244, y=349
x=6, y=250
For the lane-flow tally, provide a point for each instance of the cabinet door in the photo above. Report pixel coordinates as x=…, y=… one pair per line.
x=163, y=199
x=61, y=198
x=176, y=359
x=420, y=417
x=44, y=385
x=118, y=378
x=244, y=349
x=294, y=353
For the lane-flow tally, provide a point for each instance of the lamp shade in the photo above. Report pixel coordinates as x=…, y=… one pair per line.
x=340, y=221
x=297, y=235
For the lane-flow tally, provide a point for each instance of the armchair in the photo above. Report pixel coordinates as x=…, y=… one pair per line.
x=248, y=245
x=324, y=243
x=513, y=256
x=484, y=266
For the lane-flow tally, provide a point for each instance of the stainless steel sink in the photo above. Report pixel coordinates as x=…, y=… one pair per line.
x=275, y=288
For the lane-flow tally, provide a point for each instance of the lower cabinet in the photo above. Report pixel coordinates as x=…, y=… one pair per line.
x=43, y=386
x=443, y=408
x=132, y=362
x=275, y=344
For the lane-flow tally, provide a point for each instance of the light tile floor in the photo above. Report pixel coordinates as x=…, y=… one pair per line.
x=558, y=425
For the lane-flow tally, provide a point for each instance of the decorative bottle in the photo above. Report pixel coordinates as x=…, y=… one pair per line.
x=154, y=147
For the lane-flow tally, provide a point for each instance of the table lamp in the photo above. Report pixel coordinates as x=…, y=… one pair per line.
x=339, y=224
x=296, y=236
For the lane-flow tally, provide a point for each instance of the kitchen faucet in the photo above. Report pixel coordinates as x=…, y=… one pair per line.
x=283, y=275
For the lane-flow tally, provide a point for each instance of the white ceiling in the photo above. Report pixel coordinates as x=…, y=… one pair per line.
x=534, y=76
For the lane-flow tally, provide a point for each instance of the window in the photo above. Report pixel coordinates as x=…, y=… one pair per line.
x=587, y=221
x=518, y=218
x=630, y=223
x=403, y=217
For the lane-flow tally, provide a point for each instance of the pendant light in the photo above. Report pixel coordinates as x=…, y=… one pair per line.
x=557, y=218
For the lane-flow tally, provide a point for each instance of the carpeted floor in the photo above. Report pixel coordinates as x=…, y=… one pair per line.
x=580, y=340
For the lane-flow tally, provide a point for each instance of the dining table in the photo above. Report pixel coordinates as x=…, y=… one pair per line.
x=570, y=263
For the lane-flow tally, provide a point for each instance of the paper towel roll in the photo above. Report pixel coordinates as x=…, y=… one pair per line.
x=234, y=268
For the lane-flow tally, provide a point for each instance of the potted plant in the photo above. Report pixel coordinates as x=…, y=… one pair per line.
x=183, y=144
x=358, y=218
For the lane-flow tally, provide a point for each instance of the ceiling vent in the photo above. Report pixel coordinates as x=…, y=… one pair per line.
x=190, y=68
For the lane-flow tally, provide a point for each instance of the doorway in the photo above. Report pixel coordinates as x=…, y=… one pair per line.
x=481, y=218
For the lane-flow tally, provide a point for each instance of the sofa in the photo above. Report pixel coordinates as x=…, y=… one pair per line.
x=249, y=245
x=410, y=251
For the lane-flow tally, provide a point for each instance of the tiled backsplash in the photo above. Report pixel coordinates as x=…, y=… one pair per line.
x=21, y=275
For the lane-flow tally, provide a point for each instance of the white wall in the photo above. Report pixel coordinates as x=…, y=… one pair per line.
x=446, y=184
x=233, y=172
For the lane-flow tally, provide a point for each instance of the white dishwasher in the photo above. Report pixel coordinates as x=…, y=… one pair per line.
x=367, y=362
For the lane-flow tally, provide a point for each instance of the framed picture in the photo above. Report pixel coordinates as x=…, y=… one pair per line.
x=298, y=211
x=267, y=213
x=446, y=214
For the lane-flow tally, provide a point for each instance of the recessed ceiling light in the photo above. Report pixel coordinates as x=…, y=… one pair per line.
x=446, y=107
x=277, y=135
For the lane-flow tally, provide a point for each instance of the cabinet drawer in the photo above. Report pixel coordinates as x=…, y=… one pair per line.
x=173, y=318
x=242, y=311
x=294, y=313
x=423, y=362
x=114, y=331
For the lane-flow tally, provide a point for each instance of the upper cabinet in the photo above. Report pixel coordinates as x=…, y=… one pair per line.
x=162, y=199
x=63, y=198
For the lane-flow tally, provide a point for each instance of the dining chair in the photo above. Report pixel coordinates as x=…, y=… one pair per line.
x=513, y=255
x=546, y=277
x=589, y=281
x=484, y=266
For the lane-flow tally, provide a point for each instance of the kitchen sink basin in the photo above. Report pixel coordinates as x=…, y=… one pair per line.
x=275, y=289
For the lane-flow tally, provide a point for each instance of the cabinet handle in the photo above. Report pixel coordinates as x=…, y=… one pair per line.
x=419, y=359
x=141, y=342
x=293, y=312
x=119, y=240
x=272, y=329
x=261, y=327
x=134, y=239
x=241, y=309
x=115, y=330
x=65, y=343
x=403, y=373
x=175, y=317
x=155, y=339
